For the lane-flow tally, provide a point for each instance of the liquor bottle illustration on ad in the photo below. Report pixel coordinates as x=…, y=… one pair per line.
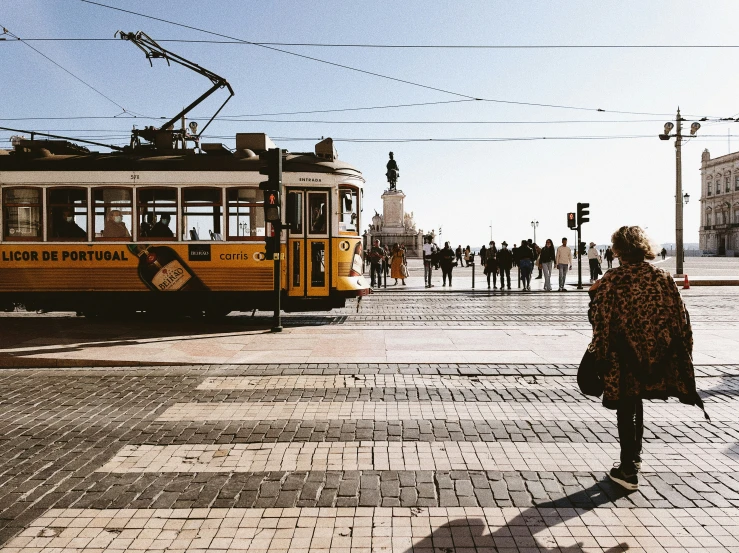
x=163, y=270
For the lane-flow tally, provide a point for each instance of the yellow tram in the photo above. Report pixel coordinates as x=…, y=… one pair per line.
x=176, y=231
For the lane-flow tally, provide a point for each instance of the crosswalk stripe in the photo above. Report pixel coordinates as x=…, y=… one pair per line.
x=436, y=410
x=333, y=530
x=502, y=456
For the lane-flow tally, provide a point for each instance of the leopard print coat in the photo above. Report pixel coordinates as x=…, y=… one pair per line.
x=641, y=329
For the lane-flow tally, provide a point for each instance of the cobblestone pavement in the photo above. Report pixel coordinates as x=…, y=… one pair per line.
x=112, y=459
x=429, y=456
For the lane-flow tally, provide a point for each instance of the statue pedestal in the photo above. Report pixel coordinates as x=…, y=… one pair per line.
x=392, y=210
x=393, y=228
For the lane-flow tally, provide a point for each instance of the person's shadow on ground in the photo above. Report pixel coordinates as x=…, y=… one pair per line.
x=475, y=535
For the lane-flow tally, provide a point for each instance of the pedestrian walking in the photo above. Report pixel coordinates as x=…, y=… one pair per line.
x=505, y=262
x=467, y=256
x=514, y=253
x=376, y=256
x=458, y=253
x=483, y=251
x=491, y=264
x=594, y=262
x=526, y=264
x=386, y=260
x=609, y=257
x=663, y=253
x=546, y=259
x=537, y=253
x=642, y=341
x=563, y=260
x=429, y=249
x=446, y=260
x=398, y=264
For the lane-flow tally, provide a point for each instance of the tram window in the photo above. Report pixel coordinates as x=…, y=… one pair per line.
x=157, y=213
x=67, y=214
x=317, y=208
x=22, y=213
x=113, y=213
x=245, y=214
x=201, y=214
x=295, y=212
x=349, y=205
x=318, y=263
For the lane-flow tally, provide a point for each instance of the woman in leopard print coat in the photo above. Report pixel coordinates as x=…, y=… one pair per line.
x=642, y=334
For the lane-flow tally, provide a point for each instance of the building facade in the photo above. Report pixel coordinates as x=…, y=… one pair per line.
x=719, y=230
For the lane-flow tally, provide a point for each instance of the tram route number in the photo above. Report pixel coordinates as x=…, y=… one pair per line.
x=63, y=255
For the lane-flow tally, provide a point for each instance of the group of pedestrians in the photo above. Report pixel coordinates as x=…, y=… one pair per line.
x=382, y=259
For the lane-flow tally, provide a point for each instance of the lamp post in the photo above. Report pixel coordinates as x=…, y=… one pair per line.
x=679, y=253
x=491, y=231
x=534, y=224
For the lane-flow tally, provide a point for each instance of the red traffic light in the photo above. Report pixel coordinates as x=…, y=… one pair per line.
x=571, y=221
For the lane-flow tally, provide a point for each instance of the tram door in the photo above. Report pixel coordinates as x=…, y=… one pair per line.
x=308, y=252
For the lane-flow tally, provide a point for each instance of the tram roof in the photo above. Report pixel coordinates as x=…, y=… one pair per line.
x=41, y=156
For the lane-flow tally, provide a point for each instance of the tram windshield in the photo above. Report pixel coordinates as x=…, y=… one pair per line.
x=349, y=214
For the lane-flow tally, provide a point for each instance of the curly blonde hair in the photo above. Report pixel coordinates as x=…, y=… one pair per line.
x=632, y=245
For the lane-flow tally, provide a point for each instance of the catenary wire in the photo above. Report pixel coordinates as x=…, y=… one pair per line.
x=406, y=46
x=88, y=85
x=350, y=68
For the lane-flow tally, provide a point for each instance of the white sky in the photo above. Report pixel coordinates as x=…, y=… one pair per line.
x=462, y=186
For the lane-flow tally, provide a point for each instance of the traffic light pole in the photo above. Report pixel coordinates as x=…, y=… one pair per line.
x=579, y=258
x=278, y=276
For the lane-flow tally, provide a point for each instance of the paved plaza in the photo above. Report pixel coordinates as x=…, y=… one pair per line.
x=420, y=421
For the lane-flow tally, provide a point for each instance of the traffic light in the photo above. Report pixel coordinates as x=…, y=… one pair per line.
x=272, y=203
x=272, y=167
x=571, y=220
x=581, y=249
x=583, y=213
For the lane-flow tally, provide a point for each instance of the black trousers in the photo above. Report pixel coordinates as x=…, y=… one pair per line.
x=505, y=273
x=376, y=274
x=593, y=268
x=630, y=414
x=495, y=278
x=446, y=272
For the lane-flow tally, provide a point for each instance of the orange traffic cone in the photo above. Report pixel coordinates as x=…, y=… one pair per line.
x=686, y=284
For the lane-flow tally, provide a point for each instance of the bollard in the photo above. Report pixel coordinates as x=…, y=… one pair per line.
x=473, y=275
x=686, y=284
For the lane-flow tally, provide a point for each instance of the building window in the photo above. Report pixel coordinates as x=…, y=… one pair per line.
x=736, y=215
x=736, y=182
x=113, y=209
x=245, y=214
x=708, y=219
x=67, y=214
x=202, y=210
x=718, y=187
x=710, y=188
x=157, y=213
x=22, y=214
x=727, y=182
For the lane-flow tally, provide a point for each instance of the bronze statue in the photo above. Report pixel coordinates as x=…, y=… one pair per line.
x=393, y=173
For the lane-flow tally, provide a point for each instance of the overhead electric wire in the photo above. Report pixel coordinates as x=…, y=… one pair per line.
x=364, y=71
x=88, y=85
x=409, y=46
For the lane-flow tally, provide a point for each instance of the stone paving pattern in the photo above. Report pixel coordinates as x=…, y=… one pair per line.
x=62, y=431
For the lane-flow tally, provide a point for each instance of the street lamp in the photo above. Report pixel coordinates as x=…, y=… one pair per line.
x=679, y=198
x=686, y=197
x=534, y=224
